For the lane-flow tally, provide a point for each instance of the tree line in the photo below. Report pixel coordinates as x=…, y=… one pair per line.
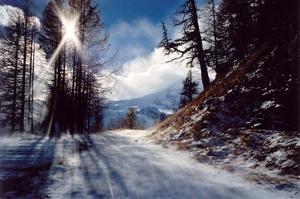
x=221, y=34
x=18, y=49
x=75, y=93
x=75, y=99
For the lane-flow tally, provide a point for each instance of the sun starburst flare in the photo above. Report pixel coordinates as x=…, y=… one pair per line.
x=69, y=33
x=69, y=29
x=69, y=36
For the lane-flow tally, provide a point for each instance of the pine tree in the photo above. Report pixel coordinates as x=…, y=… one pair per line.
x=17, y=49
x=33, y=32
x=209, y=20
x=244, y=25
x=76, y=99
x=131, y=119
x=11, y=50
x=50, y=38
x=189, y=89
x=91, y=36
x=190, y=43
x=25, y=64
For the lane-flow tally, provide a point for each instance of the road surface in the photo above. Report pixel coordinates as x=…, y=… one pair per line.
x=121, y=164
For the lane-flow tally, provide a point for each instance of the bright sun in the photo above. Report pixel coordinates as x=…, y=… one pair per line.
x=69, y=28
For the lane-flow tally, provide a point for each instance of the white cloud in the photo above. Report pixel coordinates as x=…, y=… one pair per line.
x=149, y=74
x=5, y=10
x=145, y=72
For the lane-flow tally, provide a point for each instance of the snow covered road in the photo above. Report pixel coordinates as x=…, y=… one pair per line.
x=121, y=164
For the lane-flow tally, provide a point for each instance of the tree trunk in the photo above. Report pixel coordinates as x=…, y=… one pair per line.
x=30, y=78
x=14, y=109
x=24, y=71
x=200, y=51
x=32, y=89
x=215, y=34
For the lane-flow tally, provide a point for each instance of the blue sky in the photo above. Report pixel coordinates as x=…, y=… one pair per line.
x=130, y=10
x=135, y=31
x=125, y=14
x=125, y=10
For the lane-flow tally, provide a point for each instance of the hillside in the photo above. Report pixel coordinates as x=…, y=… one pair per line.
x=247, y=118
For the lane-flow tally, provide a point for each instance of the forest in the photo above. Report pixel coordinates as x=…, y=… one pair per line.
x=66, y=39
x=236, y=112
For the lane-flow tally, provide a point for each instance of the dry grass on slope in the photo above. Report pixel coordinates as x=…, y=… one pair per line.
x=217, y=88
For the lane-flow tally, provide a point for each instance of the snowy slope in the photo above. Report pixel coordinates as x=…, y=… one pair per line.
x=151, y=109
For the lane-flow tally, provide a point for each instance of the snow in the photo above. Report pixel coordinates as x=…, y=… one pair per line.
x=180, y=134
x=269, y=91
x=256, y=125
x=119, y=164
x=245, y=90
x=167, y=111
x=267, y=104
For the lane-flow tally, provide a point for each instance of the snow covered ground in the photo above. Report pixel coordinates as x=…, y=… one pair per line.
x=120, y=164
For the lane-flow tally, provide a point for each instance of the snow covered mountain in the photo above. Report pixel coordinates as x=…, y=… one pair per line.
x=151, y=109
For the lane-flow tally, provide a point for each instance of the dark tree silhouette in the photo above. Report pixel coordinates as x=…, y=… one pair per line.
x=190, y=43
x=131, y=119
x=25, y=64
x=75, y=100
x=50, y=38
x=244, y=25
x=189, y=90
x=17, y=72
x=10, y=71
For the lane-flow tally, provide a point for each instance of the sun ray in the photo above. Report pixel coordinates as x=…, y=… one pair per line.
x=69, y=35
x=69, y=23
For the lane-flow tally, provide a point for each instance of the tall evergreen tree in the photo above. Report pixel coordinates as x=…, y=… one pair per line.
x=243, y=25
x=131, y=119
x=91, y=36
x=33, y=31
x=73, y=99
x=209, y=21
x=17, y=50
x=11, y=50
x=25, y=63
x=189, y=89
x=190, y=43
x=50, y=38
